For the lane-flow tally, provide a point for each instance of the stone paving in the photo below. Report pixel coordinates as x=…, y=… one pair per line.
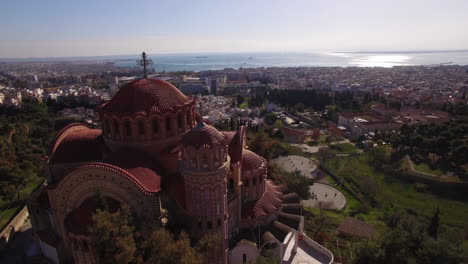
x=306, y=166
x=326, y=197
x=306, y=148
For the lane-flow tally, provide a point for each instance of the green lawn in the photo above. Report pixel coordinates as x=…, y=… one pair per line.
x=390, y=190
x=343, y=148
x=423, y=167
x=244, y=105
x=24, y=193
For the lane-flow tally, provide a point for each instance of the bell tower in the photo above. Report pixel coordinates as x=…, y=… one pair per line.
x=204, y=164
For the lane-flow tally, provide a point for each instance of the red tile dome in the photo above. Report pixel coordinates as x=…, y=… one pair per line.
x=145, y=96
x=204, y=135
x=251, y=161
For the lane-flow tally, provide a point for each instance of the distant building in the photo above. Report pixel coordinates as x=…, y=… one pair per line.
x=214, y=87
x=296, y=136
x=359, y=125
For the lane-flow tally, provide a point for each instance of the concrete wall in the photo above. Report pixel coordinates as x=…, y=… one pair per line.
x=237, y=254
x=14, y=225
x=49, y=252
x=318, y=247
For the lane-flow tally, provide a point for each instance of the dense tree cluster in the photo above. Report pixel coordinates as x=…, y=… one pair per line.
x=316, y=99
x=25, y=134
x=295, y=181
x=116, y=239
x=447, y=141
x=412, y=240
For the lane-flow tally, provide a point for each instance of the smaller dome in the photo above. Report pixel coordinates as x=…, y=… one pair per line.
x=204, y=135
x=250, y=160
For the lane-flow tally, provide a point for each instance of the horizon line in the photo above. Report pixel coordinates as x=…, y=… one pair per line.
x=50, y=58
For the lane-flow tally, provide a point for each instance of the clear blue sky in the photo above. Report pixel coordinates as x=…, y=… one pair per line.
x=32, y=28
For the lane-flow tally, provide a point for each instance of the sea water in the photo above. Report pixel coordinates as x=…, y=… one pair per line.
x=215, y=61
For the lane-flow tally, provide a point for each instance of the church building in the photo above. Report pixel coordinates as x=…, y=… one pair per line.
x=153, y=144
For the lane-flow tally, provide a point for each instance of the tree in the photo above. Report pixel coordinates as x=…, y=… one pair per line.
x=316, y=134
x=112, y=236
x=161, y=247
x=323, y=155
x=267, y=260
x=433, y=229
x=240, y=99
x=208, y=246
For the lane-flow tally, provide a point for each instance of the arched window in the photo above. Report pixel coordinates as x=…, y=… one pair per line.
x=128, y=128
x=116, y=128
x=141, y=127
x=189, y=121
x=179, y=120
x=155, y=126
x=254, y=181
x=108, y=128
x=208, y=225
x=85, y=246
x=168, y=124
x=244, y=258
x=246, y=183
x=231, y=184
x=204, y=159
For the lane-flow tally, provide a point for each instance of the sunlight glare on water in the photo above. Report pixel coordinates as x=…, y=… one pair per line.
x=380, y=61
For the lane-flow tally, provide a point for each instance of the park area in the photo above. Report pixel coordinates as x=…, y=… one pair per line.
x=384, y=189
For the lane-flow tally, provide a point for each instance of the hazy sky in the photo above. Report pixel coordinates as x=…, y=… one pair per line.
x=38, y=28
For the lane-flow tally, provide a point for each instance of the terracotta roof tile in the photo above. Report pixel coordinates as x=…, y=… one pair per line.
x=139, y=165
x=145, y=96
x=251, y=161
x=79, y=145
x=204, y=135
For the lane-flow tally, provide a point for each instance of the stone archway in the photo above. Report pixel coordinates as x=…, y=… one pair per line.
x=84, y=182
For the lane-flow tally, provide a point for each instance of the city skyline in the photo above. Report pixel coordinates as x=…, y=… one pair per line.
x=56, y=29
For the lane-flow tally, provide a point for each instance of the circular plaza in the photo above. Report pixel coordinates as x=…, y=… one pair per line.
x=326, y=197
x=291, y=163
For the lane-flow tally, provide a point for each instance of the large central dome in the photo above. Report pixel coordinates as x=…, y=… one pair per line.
x=146, y=96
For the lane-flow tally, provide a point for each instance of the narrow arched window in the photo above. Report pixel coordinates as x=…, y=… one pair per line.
x=108, y=127
x=168, y=124
x=179, y=121
x=155, y=126
x=141, y=127
x=189, y=121
x=204, y=159
x=231, y=184
x=128, y=129
x=116, y=128
x=85, y=246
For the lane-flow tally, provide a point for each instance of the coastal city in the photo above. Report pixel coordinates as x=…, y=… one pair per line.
x=234, y=132
x=312, y=118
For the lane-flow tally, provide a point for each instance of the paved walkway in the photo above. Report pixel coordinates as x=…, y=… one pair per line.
x=306, y=148
x=18, y=245
x=326, y=197
x=305, y=254
x=306, y=166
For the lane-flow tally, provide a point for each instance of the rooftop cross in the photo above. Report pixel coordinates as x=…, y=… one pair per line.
x=144, y=61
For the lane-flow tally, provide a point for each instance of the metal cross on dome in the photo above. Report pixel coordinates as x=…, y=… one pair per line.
x=144, y=61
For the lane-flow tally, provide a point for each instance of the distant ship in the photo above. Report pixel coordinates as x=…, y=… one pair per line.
x=250, y=58
x=202, y=57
